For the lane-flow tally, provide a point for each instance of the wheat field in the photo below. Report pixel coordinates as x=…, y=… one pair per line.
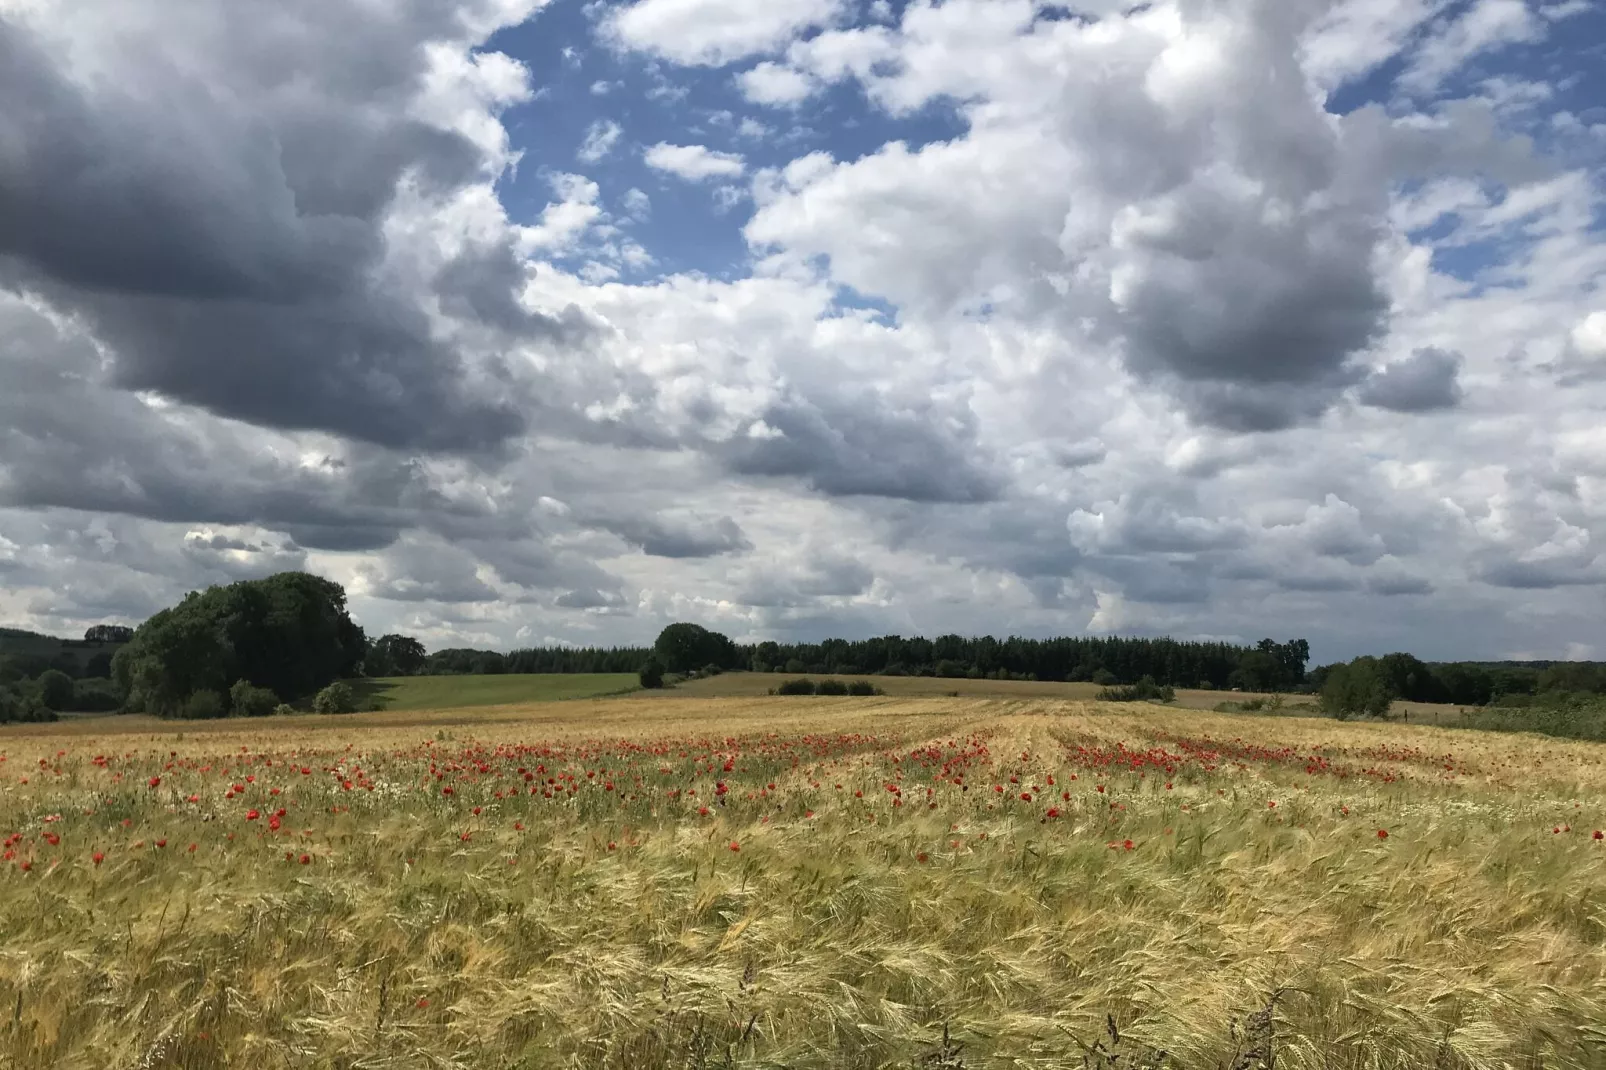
x=773, y=882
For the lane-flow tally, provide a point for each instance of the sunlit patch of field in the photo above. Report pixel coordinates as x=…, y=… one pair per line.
x=768, y=882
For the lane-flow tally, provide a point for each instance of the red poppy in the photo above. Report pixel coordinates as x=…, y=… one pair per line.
x=1599, y=835
x=422, y=1003
x=155, y=782
x=252, y=815
x=306, y=859
x=1382, y=834
x=1126, y=844
x=922, y=857
x=99, y=857
x=735, y=846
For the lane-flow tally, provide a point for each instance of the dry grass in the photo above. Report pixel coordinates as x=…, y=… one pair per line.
x=943, y=925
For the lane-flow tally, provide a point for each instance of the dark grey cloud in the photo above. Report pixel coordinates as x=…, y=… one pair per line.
x=1426, y=380
x=863, y=445
x=1542, y=575
x=663, y=536
x=213, y=207
x=1392, y=586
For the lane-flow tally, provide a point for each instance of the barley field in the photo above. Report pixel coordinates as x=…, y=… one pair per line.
x=757, y=882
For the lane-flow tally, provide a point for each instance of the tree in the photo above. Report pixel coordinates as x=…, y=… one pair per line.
x=651, y=674
x=1360, y=688
x=684, y=647
x=55, y=690
x=203, y=705
x=394, y=655
x=289, y=633
x=109, y=633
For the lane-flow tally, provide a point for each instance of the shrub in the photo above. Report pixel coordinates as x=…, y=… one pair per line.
x=951, y=669
x=1104, y=678
x=17, y=705
x=712, y=670
x=336, y=698
x=651, y=674
x=203, y=705
x=55, y=689
x=864, y=688
x=283, y=709
x=1145, y=690
x=248, y=700
x=831, y=687
x=795, y=687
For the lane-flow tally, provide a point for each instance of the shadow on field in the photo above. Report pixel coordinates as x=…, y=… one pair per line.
x=372, y=694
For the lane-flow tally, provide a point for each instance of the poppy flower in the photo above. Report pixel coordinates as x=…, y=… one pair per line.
x=252, y=815
x=155, y=782
x=99, y=857
x=922, y=857
x=735, y=846
x=1382, y=834
x=1599, y=835
x=422, y=1003
x=306, y=859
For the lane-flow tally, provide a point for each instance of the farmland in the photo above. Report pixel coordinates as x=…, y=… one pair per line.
x=439, y=692
x=702, y=881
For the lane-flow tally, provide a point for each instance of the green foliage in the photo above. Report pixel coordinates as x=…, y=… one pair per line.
x=289, y=633
x=109, y=633
x=394, y=655
x=338, y=697
x=652, y=674
x=1145, y=690
x=833, y=687
x=283, y=709
x=684, y=647
x=21, y=705
x=1570, y=715
x=1104, y=678
x=203, y=705
x=248, y=700
x=55, y=689
x=795, y=687
x=864, y=689
x=1360, y=689
x=95, y=695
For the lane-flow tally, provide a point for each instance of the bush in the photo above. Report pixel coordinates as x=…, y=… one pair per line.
x=203, y=705
x=795, y=687
x=1145, y=690
x=336, y=698
x=651, y=675
x=712, y=670
x=283, y=709
x=1569, y=717
x=864, y=689
x=55, y=689
x=15, y=705
x=248, y=700
x=1104, y=678
x=834, y=688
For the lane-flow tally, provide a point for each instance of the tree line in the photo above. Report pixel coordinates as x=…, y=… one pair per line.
x=255, y=646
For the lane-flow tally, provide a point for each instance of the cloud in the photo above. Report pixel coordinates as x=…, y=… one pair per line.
x=1424, y=381
x=601, y=136
x=679, y=537
x=229, y=212
x=1484, y=26
x=714, y=32
x=775, y=84
x=694, y=163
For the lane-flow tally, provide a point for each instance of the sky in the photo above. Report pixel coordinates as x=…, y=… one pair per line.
x=553, y=323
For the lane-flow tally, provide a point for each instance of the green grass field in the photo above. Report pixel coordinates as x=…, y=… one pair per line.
x=451, y=692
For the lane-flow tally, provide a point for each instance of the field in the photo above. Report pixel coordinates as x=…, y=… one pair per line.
x=440, y=692
x=754, y=882
x=752, y=684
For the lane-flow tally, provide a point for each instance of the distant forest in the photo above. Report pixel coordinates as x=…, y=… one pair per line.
x=251, y=646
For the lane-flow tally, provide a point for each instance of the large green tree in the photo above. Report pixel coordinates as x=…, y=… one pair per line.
x=289, y=633
x=684, y=647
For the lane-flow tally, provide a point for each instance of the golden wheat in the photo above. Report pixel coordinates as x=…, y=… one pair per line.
x=1210, y=887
